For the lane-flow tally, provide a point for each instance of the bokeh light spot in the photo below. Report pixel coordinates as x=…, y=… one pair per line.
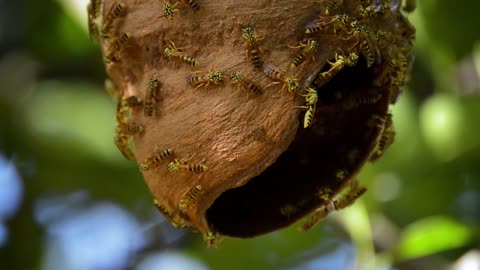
x=469, y=261
x=340, y=258
x=170, y=261
x=101, y=237
x=386, y=187
x=442, y=126
x=11, y=189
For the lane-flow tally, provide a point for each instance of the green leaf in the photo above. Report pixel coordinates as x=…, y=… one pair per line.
x=432, y=235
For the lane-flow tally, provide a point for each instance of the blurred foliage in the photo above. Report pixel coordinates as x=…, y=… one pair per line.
x=431, y=235
x=56, y=129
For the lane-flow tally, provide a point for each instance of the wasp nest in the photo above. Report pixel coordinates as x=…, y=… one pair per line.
x=247, y=115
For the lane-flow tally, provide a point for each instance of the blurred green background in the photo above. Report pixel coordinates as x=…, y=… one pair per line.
x=68, y=199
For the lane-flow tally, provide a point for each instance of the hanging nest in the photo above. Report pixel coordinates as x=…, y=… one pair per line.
x=248, y=115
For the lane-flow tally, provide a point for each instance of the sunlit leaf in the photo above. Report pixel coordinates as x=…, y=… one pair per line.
x=432, y=235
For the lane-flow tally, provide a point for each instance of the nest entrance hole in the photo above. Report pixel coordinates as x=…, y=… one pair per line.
x=288, y=189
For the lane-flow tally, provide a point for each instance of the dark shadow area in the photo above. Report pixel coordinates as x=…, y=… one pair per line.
x=321, y=157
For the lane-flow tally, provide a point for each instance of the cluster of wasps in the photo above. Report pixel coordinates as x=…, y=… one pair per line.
x=256, y=56
x=125, y=105
x=333, y=203
x=125, y=128
x=384, y=123
x=105, y=28
x=367, y=45
x=330, y=202
x=179, y=220
x=216, y=77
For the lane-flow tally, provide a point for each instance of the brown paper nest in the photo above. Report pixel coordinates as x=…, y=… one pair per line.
x=260, y=159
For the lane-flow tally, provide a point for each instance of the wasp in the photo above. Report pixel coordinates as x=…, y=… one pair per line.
x=169, y=10
x=324, y=22
x=370, y=99
x=345, y=200
x=131, y=101
x=398, y=75
x=311, y=99
x=181, y=165
x=212, y=239
x=93, y=11
x=404, y=65
x=390, y=73
x=366, y=46
x=251, y=45
x=192, y=4
x=341, y=18
x=150, y=96
x=172, y=51
x=382, y=38
x=377, y=121
x=189, y=198
x=307, y=49
x=246, y=83
x=121, y=115
x=341, y=21
x=121, y=141
x=332, y=6
x=386, y=139
x=123, y=104
x=123, y=129
x=93, y=8
x=341, y=174
x=130, y=129
x=315, y=218
x=92, y=25
x=115, y=11
x=254, y=54
x=387, y=72
x=215, y=77
x=348, y=198
x=362, y=99
x=163, y=209
x=155, y=158
x=175, y=220
x=308, y=118
x=366, y=50
x=325, y=194
x=367, y=12
x=275, y=74
x=340, y=62
x=288, y=210
x=115, y=49
x=317, y=25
